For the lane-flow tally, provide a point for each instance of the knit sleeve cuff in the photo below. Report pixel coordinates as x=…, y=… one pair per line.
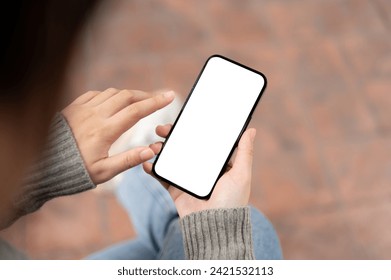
x=60, y=171
x=218, y=234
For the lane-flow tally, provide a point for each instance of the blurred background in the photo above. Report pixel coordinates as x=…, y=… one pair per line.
x=322, y=169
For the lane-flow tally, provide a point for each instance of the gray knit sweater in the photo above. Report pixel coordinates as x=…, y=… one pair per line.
x=210, y=234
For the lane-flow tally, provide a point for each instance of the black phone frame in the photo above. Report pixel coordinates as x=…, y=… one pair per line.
x=237, y=140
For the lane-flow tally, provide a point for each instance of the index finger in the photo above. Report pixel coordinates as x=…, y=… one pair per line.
x=127, y=117
x=244, y=157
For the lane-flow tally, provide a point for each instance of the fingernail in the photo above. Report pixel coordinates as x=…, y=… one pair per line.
x=153, y=144
x=169, y=94
x=146, y=154
x=253, y=133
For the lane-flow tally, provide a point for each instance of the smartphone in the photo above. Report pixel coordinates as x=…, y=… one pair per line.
x=209, y=126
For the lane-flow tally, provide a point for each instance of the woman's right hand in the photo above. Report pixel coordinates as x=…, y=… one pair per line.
x=97, y=119
x=232, y=189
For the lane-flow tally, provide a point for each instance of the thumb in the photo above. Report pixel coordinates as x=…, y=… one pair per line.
x=116, y=164
x=244, y=157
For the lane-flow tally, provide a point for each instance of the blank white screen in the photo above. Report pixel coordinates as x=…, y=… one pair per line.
x=206, y=131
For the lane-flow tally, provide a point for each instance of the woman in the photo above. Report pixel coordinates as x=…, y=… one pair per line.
x=75, y=159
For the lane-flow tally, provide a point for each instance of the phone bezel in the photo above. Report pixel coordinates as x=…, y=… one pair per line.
x=245, y=124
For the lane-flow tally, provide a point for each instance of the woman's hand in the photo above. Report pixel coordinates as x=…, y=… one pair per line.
x=232, y=189
x=97, y=119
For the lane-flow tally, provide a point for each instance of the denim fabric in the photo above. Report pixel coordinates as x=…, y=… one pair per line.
x=156, y=222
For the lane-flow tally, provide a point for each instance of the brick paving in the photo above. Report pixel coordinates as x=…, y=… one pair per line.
x=322, y=169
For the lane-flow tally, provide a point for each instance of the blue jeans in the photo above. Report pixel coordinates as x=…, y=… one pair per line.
x=156, y=222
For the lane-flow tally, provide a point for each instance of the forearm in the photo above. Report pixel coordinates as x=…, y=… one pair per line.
x=60, y=171
x=218, y=234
